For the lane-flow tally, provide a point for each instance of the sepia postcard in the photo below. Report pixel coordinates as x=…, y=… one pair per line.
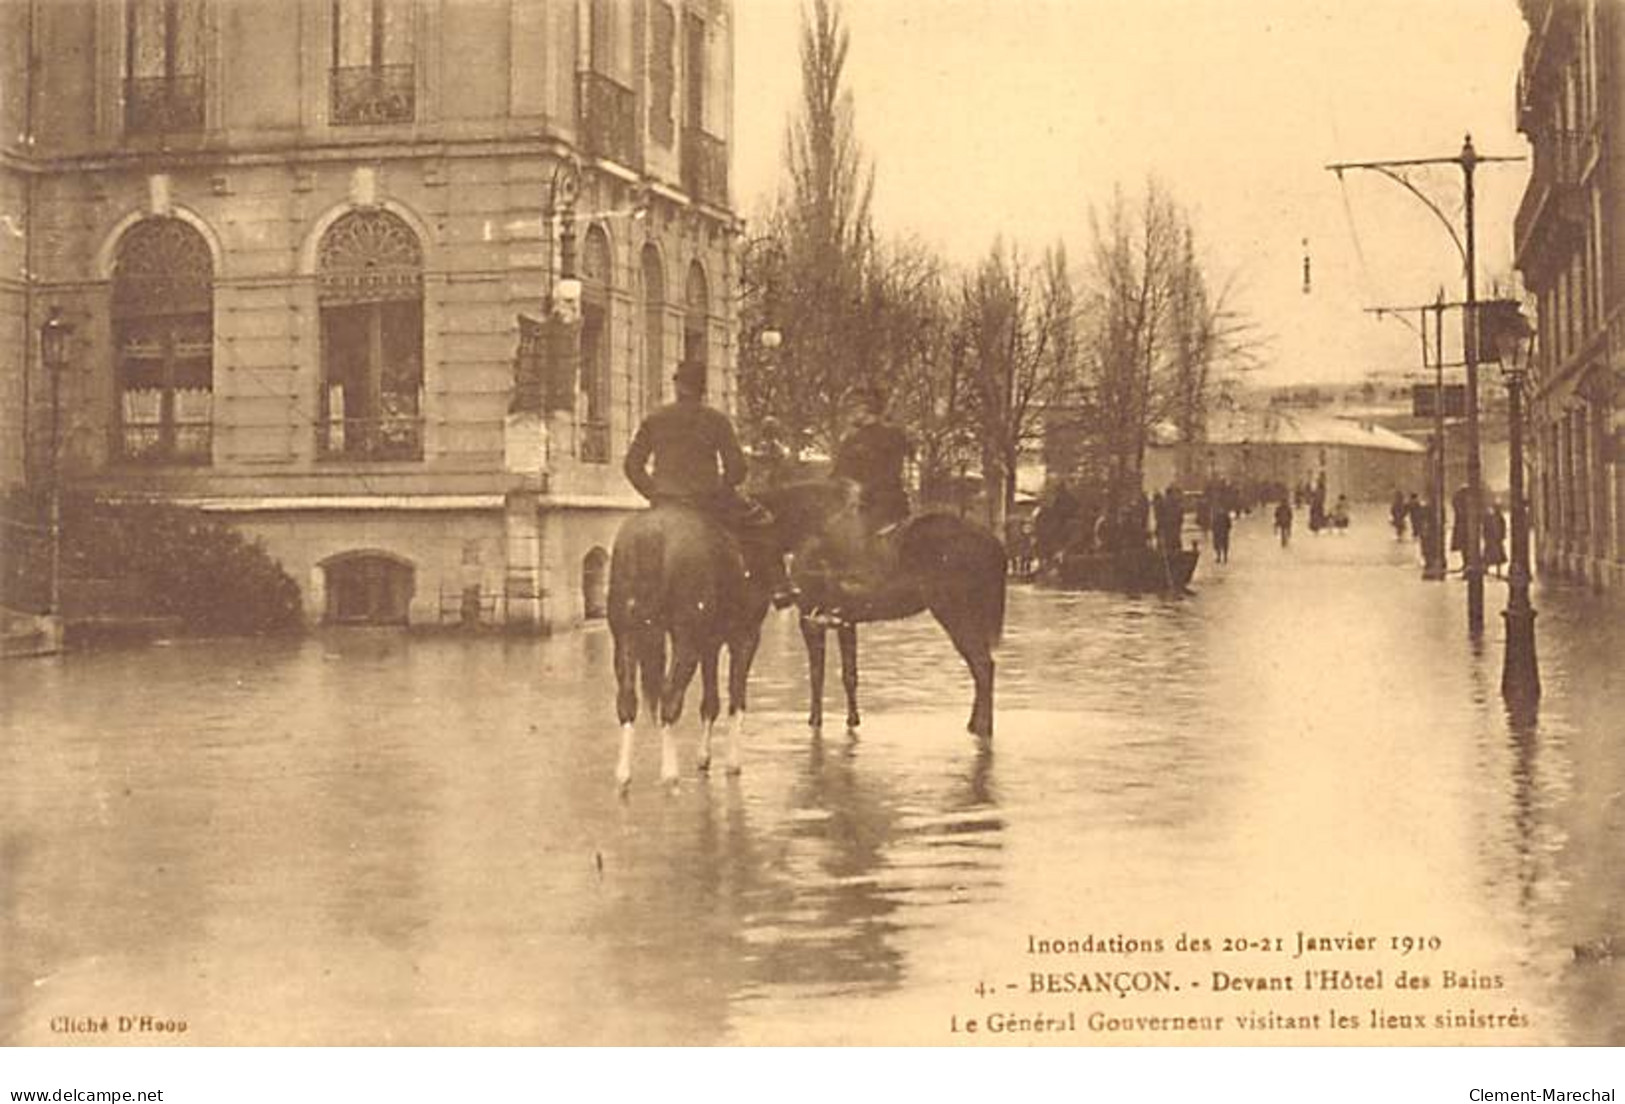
x=1086, y=523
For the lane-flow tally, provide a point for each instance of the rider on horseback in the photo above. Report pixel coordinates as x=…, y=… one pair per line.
x=698, y=462
x=873, y=455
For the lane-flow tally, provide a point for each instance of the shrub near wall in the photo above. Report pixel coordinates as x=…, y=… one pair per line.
x=170, y=561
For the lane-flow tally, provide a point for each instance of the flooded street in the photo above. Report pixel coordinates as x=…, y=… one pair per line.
x=377, y=838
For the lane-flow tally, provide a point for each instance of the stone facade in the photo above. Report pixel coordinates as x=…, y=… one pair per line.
x=1570, y=248
x=294, y=239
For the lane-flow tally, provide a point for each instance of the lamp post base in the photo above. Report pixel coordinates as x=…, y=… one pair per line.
x=1520, y=671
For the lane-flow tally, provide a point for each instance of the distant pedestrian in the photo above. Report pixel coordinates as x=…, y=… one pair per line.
x=1220, y=527
x=1340, y=513
x=1396, y=515
x=1495, y=540
x=1283, y=522
x=1416, y=513
x=1424, y=526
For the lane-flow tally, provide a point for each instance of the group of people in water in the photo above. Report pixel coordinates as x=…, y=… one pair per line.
x=1077, y=521
x=1411, y=512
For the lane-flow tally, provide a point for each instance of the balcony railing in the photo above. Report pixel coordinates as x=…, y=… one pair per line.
x=397, y=437
x=1551, y=217
x=366, y=95
x=163, y=105
x=705, y=167
x=595, y=442
x=165, y=443
x=608, y=114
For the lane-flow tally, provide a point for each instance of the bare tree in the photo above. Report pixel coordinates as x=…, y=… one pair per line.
x=1018, y=326
x=1130, y=303
x=917, y=358
x=825, y=234
x=1163, y=346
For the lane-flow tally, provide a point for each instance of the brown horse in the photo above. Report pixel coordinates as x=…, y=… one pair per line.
x=678, y=580
x=933, y=561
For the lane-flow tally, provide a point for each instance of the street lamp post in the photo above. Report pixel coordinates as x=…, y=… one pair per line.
x=54, y=335
x=565, y=294
x=1520, y=670
x=1468, y=160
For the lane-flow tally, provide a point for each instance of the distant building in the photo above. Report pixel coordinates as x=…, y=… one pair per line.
x=293, y=238
x=1281, y=437
x=1570, y=248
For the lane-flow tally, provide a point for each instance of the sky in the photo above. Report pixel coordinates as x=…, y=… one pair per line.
x=1016, y=118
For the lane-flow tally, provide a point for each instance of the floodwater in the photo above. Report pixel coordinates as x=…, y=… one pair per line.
x=366, y=837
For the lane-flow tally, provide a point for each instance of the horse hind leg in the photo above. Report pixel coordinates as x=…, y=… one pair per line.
x=741, y=655
x=641, y=658
x=710, y=706
x=813, y=636
x=626, y=708
x=847, y=637
x=974, y=644
x=685, y=658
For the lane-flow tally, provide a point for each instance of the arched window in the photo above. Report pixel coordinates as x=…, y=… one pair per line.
x=370, y=287
x=697, y=302
x=654, y=328
x=597, y=281
x=163, y=331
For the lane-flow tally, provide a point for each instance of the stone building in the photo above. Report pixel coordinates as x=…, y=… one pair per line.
x=1570, y=249
x=294, y=239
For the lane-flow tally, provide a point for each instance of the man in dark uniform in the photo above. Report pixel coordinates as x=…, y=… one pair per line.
x=873, y=456
x=697, y=461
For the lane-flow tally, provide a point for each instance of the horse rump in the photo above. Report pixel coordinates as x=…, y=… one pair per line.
x=963, y=564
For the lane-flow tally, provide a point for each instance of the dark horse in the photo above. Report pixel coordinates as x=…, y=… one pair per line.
x=933, y=561
x=676, y=578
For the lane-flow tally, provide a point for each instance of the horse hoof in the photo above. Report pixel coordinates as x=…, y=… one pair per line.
x=852, y=722
x=623, y=788
x=703, y=766
x=735, y=770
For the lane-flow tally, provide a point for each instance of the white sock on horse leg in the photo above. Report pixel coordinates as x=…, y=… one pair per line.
x=736, y=742
x=707, y=727
x=668, y=755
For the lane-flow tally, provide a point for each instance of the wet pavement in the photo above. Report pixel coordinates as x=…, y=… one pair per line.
x=365, y=837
